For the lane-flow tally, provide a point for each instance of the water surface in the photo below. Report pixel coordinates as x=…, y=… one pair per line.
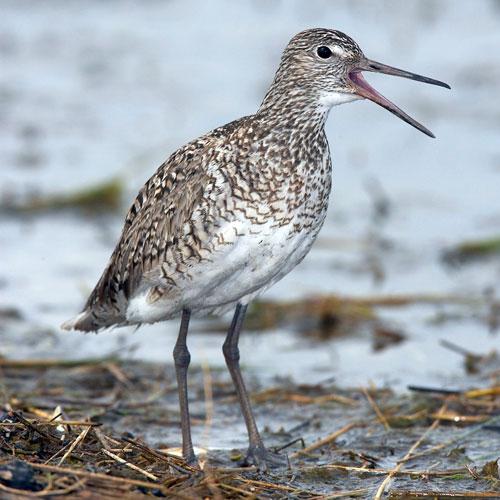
x=111, y=89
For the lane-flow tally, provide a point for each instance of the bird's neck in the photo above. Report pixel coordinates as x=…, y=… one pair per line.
x=293, y=109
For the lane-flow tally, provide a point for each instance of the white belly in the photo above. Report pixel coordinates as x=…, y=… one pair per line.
x=251, y=260
x=255, y=263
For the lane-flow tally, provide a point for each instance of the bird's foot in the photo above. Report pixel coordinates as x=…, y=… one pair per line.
x=192, y=461
x=265, y=460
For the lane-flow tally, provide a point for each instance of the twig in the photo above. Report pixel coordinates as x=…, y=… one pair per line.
x=149, y=451
x=488, y=391
x=459, y=350
x=129, y=465
x=318, y=400
x=436, y=390
x=236, y=490
x=379, y=471
x=455, y=417
x=57, y=453
x=51, y=363
x=423, y=298
x=385, y=482
x=350, y=494
x=404, y=494
x=118, y=373
x=43, y=493
x=327, y=440
x=460, y=437
x=265, y=484
x=102, y=438
x=97, y=476
x=225, y=470
x=55, y=423
x=376, y=409
x=75, y=443
x=277, y=449
x=28, y=424
x=164, y=457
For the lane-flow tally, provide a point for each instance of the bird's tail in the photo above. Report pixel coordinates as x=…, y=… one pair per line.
x=83, y=322
x=105, y=307
x=89, y=321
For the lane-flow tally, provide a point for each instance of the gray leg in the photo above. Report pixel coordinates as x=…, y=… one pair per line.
x=257, y=452
x=182, y=359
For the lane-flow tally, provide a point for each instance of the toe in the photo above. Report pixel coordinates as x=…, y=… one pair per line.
x=264, y=459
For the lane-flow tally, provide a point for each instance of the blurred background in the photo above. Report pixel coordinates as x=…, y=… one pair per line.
x=95, y=95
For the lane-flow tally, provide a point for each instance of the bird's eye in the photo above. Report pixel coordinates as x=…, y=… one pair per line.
x=324, y=52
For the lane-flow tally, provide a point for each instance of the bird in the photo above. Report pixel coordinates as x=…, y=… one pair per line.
x=232, y=212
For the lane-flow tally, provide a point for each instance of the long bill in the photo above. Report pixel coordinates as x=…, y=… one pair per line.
x=364, y=89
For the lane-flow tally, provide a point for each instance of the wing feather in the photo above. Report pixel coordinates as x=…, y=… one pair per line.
x=165, y=224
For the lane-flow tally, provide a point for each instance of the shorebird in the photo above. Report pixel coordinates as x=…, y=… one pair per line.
x=232, y=212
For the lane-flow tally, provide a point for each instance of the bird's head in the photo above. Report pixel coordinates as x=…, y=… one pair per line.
x=328, y=66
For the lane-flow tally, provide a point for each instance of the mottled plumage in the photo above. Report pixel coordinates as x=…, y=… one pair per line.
x=259, y=184
x=233, y=211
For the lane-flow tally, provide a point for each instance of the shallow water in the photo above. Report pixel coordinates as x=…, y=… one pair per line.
x=112, y=89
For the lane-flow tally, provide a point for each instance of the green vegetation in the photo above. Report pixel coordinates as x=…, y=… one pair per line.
x=103, y=197
x=473, y=250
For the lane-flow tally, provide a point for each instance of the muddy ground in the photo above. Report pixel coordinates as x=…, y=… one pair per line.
x=108, y=428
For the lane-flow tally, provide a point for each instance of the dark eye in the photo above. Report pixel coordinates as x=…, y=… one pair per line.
x=324, y=52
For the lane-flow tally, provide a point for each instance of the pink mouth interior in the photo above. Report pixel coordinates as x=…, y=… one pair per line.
x=366, y=90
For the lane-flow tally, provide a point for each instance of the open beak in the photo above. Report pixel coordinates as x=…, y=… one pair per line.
x=364, y=89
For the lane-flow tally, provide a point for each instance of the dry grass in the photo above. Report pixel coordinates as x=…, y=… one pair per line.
x=85, y=430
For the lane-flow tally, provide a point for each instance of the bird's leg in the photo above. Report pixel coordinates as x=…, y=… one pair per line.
x=257, y=452
x=181, y=360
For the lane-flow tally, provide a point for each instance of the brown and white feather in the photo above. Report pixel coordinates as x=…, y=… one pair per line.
x=231, y=212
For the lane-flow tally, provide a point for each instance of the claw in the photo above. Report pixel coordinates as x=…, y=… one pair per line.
x=192, y=461
x=265, y=460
